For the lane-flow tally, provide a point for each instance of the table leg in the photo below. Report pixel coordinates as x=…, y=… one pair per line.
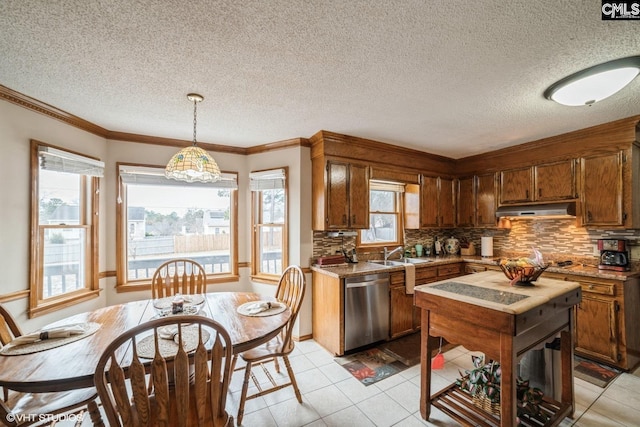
x=508, y=399
x=566, y=355
x=425, y=366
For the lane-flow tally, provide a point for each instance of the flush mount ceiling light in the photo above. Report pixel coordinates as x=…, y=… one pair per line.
x=595, y=83
x=192, y=163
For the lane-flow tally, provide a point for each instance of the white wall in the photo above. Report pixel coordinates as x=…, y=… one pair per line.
x=18, y=125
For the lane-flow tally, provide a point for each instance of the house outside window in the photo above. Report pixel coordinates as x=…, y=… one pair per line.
x=164, y=219
x=385, y=215
x=269, y=218
x=64, y=222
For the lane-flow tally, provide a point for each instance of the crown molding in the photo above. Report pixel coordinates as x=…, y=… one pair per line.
x=32, y=104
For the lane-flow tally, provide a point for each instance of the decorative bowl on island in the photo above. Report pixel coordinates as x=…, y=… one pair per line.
x=522, y=271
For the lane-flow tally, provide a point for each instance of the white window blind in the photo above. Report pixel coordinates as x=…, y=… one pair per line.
x=147, y=175
x=267, y=180
x=386, y=186
x=62, y=161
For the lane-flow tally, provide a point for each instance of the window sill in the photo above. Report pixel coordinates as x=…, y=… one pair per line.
x=63, y=302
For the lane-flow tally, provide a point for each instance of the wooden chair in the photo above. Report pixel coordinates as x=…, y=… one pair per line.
x=290, y=290
x=181, y=390
x=23, y=409
x=179, y=275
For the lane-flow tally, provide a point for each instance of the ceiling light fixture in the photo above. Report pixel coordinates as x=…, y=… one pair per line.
x=192, y=163
x=594, y=83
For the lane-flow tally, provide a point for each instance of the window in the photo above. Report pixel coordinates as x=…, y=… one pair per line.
x=64, y=222
x=384, y=215
x=160, y=219
x=269, y=218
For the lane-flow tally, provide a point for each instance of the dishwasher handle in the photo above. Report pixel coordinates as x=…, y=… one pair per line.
x=376, y=282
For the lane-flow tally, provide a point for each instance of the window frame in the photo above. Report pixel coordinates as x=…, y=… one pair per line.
x=398, y=203
x=123, y=284
x=89, y=199
x=256, y=215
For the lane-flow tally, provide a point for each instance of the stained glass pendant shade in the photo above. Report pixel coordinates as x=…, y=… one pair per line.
x=193, y=164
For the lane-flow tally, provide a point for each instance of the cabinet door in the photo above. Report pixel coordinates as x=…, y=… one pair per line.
x=601, y=196
x=486, y=200
x=429, y=201
x=466, y=203
x=446, y=202
x=358, y=196
x=596, y=328
x=555, y=181
x=337, y=204
x=516, y=186
x=412, y=206
x=401, y=311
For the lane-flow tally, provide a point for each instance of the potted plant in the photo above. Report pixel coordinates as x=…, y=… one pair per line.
x=483, y=384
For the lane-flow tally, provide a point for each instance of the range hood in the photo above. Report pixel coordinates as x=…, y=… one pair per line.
x=550, y=210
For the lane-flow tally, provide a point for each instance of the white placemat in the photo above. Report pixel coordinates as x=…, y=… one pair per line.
x=168, y=342
x=42, y=345
x=261, y=308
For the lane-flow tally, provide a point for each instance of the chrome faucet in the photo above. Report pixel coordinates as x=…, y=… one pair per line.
x=387, y=254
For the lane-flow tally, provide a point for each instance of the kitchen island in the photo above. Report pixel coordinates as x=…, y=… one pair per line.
x=483, y=313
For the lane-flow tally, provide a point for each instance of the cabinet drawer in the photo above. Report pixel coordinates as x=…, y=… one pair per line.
x=397, y=278
x=424, y=274
x=447, y=270
x=469, y=269
x=598, y=288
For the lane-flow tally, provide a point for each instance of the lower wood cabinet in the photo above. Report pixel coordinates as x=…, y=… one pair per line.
x=405, y=317
x=607, y=319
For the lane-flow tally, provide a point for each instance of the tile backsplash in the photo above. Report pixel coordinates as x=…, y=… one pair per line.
x=557, y=239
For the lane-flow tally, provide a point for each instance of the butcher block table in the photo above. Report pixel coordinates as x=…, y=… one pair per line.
x=484, y=313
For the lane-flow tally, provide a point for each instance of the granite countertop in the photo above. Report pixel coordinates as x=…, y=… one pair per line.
x=364, y=267
x=491, y=289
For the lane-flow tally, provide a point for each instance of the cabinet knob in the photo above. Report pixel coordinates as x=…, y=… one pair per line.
x=353, y=221
x=539, y=192
x=344, y=219
x=526, y=194
x=591, y=287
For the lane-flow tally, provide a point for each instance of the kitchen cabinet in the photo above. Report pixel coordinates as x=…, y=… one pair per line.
x=405, y=317
x=602, y=190
x=476, y=201
x=549, y=182
x=343, y=201
x=466, y=205
x=607, y=319
x=437, y=202
x=328, y=312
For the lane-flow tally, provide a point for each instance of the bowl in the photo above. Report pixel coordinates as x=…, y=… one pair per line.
x=178, y=304
x=521, y=275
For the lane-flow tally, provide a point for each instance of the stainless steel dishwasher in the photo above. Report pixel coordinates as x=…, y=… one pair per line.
x=366, y=310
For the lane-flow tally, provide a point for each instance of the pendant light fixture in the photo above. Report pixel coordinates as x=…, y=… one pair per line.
x=192, y=163
x=594, y=83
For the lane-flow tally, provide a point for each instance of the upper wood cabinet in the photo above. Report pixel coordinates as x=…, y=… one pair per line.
x=601, y=179
x=486, y=200
x=343, y=203
x=466, y=202
x=555, y=181
x=547, y=182
x=476, y=201
x=437, y=202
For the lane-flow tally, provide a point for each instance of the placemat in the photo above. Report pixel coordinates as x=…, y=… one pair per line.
x=250, y=308
x=35, y=347
x=169, y=347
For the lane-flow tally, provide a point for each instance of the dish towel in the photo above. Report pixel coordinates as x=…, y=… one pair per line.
x=409, y=277
x=47, y=334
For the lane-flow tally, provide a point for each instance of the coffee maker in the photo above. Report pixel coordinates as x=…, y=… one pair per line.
x=614, y=254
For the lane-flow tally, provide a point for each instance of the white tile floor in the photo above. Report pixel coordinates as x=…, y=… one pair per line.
x=332, y=397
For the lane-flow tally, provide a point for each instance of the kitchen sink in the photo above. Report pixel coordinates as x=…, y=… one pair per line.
x=403, y=261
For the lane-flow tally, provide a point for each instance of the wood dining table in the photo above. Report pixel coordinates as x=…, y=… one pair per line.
x=71, y=366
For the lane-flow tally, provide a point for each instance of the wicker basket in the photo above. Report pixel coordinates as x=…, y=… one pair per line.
x=483, y=402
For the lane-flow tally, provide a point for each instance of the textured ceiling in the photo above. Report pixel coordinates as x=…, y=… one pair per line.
x=451, y=77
